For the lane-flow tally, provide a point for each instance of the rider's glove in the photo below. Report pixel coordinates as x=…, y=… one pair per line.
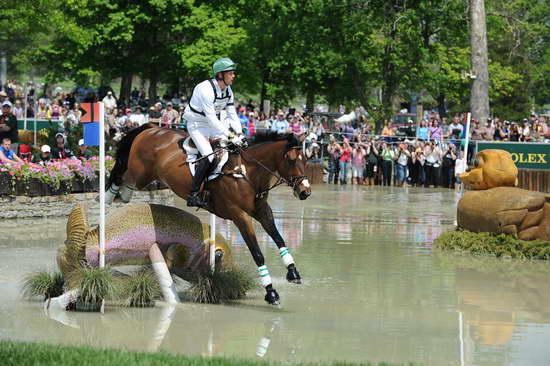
x=237, y=140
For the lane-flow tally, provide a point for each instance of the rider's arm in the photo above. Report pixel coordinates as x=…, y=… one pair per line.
x=234, y=121
x=206, y=96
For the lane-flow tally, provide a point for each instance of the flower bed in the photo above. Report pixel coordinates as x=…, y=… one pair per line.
x=54, y=178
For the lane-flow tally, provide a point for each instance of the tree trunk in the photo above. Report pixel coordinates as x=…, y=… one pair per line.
x=153, y=81
x=126, y=88
x=310, y=101
x=441, y=108
x=479, y=95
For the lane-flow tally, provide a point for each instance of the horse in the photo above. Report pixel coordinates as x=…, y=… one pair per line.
x=148, y=153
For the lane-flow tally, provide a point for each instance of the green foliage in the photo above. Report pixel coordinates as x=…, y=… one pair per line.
x=351, y=52
x=140, y=289
x=501, y=245
x=221, y=286
x=43, y=283
x=95, y=284
x=18, y=353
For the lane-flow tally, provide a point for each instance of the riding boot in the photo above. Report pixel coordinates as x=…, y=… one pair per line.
x=194, y=198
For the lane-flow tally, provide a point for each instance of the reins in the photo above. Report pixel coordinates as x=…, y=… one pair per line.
x=293, y=181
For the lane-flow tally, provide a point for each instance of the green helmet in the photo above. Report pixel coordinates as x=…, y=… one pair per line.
x=223, y=64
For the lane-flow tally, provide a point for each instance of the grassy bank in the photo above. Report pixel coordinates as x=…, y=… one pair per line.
x=501, y=245
x=27, y=354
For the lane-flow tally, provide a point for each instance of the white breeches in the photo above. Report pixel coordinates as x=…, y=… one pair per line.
x=200, y=136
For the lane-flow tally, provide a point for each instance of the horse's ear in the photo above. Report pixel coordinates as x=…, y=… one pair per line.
x=301, y=138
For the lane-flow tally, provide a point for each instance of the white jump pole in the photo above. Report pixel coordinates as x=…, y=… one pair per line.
x=212, y=242
x=101, y=185
x=467, y=141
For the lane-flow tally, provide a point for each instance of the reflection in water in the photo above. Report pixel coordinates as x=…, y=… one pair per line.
x=373, y=290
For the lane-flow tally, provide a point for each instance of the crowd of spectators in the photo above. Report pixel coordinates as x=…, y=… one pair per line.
x=432, y=155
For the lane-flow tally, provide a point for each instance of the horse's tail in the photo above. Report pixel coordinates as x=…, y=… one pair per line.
x=123, y=153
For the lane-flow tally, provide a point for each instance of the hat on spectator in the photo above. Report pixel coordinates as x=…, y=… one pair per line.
x=81, y=142
x=3, y=94
x=6, y=103
x=128, y=110
x=59, y=134
x=242, y=109
x=109, y=93
x=45, y=149
x=24, y=149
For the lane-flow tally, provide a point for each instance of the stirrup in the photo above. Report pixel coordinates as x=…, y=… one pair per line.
x=197, y=199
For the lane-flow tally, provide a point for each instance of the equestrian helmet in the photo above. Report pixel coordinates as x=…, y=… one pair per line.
x=223, y=64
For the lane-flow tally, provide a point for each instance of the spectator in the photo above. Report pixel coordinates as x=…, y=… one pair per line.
x=358, y=163
x=313, y=149
x=243, y=119
x=460, y=167
x=416, y=164
x=488, y=133
x=387, y=155
x=55, y=111
x=25, y=153
x=432, y=163
x=83, y=152
x=434, y=131
x=7, y=155
x=455, y=129
x=8, y=125
x=280, y=125
x=296, y=126
x=318, y=129
x=60, y=151
x=514, y=132
x=44, y=156
x=154, y=113
x=371, y=162
x=3, y=96
x=138, y=117
x=170, y=115
x=333, y=150
x=18, y=110
x=345, y=158
x=43, y=110
x=251, y=128
x=422, y=133
x=110, y=103
x=447, y=166
x=401, y=159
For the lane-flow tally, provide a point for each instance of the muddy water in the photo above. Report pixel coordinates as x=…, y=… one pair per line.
x=373, y=290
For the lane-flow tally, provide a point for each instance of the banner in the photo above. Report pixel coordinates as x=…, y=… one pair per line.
x=525, y=155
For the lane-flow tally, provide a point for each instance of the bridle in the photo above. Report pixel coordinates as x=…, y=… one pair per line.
x=292, y=181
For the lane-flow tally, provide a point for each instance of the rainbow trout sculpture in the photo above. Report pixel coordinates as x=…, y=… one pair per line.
x=169, y=239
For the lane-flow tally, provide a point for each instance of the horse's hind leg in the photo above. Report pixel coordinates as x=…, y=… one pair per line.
x=244, y=224
x=135, y=178
x=264, y=216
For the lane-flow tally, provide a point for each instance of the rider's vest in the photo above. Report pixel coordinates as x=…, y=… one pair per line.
x=220, y=101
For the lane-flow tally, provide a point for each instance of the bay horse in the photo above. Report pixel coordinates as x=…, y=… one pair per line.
x=150, y=153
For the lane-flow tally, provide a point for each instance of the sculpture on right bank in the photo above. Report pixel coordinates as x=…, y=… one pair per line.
x=495, y=205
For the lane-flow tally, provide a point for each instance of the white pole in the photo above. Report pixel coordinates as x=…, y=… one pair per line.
x=461, y=334
x=467, y=141
x=101, y=185
x=212, y=253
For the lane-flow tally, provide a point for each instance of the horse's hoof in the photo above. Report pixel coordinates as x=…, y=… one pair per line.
x=293, y=276
x=272, y=297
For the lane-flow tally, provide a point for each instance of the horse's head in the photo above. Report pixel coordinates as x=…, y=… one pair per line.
x=292, y=168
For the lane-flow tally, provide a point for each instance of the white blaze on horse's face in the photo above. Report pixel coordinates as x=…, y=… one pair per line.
x=297, y=166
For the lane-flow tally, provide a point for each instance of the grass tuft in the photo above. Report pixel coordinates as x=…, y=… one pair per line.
x=95, y=284
x=221, y=286
x=501, y=245
x=43, y=283
x=140, y=289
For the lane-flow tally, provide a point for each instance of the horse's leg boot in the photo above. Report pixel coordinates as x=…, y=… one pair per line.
x=292, y=275
x=111, y=193
x=126, y=193
x=272, y=297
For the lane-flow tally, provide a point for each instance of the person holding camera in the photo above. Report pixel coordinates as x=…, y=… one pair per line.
x=447, y=166
x=371, y=162
x=401, y=160
x=387, y=155
x=358, y=163
x=333, y=160
x=432, y=164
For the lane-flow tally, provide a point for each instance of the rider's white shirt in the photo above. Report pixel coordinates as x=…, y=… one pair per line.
x=204, y=100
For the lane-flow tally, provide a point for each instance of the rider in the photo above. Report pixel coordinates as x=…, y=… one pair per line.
x=202, y=114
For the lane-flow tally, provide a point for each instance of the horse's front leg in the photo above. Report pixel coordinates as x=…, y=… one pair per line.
x=244, y=223
x=264, y=216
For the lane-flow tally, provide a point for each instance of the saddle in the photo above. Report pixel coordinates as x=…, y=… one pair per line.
x=193, y=155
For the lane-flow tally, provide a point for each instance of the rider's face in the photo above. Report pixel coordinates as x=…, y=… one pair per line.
x=228, y=77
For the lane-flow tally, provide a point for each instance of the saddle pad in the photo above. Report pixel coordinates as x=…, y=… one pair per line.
x=193, y=154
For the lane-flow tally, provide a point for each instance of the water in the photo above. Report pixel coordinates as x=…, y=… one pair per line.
x=374, y=289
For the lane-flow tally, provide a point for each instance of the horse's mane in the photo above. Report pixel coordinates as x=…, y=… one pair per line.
x=263, y=137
